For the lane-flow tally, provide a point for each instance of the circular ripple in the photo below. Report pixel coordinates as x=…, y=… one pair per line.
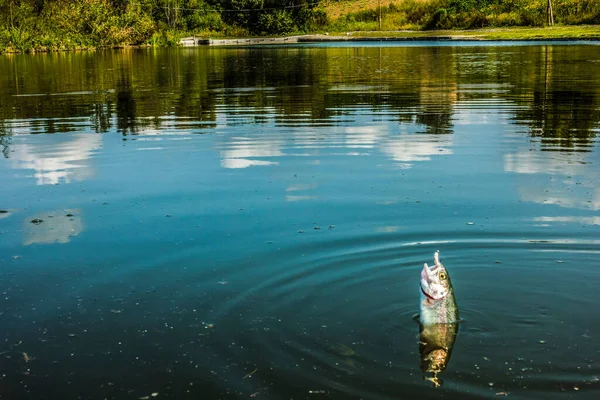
x=338, y=316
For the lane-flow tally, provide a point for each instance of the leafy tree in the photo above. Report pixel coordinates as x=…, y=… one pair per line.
x=270, y=16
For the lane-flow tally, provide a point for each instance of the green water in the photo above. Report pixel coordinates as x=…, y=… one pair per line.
x=231, y=223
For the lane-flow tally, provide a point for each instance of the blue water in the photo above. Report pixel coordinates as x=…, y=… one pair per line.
x=402, y=42
x=251, y=223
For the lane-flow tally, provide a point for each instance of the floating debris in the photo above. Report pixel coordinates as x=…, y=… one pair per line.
x=37, y=221
x=3, y=211
x=470, y=223
x=259, y=391
x=250, y=374
x=116, y=311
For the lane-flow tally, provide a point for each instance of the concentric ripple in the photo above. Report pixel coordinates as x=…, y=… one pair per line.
x=339, y=319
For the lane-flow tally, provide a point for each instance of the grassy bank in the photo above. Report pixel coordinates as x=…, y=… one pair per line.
x=510, y=33
x=54, y=25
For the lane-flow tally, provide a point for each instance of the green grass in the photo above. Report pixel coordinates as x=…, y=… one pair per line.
x=515, y=33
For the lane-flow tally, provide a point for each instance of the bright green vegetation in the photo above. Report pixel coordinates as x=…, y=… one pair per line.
x=467, y=14
x=47, y=25
x=71, y=24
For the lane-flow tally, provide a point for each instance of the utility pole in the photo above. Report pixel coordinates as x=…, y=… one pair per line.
x=379, y=2
x=549, y=13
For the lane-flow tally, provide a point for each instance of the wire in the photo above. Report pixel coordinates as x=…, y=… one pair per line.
x=230, y=10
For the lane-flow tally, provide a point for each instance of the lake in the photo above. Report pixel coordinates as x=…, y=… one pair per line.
x=233, y=223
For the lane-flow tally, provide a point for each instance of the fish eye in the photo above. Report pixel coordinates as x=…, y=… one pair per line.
x=442, y=275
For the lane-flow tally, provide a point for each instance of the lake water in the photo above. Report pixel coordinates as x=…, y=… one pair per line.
x=233, y=223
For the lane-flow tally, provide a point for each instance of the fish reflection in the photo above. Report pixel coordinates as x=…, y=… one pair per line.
x=53, y=227
x=439, y=320
x=435, y=347
x=57, y=158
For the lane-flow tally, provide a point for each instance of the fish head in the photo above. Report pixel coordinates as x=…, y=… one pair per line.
x=435, y=281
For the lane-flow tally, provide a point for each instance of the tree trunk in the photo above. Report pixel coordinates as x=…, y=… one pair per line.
x=550, y=14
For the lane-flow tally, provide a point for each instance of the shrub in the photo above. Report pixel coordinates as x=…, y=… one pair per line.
x=506, y=19
x=276, y=22
x=439, y=20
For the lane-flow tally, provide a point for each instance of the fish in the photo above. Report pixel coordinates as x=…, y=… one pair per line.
x=438, y=305
x=439, y=320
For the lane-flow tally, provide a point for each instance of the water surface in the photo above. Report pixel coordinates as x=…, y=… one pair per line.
x=228, y=223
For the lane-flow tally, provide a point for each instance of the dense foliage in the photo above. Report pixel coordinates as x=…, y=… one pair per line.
x=271, y=16
x=58, y=24
x=69, y=24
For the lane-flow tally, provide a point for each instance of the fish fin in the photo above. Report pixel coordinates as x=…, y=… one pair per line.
x=435, y=380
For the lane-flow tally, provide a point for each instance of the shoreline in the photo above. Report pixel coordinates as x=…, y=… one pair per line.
x=565, y=33
x=307, y=39
x=533, y=34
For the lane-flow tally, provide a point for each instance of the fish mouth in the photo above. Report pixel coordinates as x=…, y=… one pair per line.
x=425, y=280
x=427, y=277
x=427, y=272
x=427, y=294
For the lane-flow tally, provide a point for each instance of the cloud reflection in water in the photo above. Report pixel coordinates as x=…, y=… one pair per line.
x=403, y=149
x=58, y=226
x=57, y=161
x=559, y=178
